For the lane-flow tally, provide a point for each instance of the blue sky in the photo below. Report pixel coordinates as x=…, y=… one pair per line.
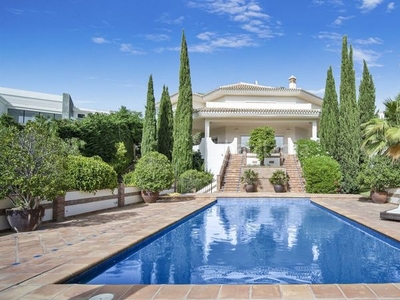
x=102, y=52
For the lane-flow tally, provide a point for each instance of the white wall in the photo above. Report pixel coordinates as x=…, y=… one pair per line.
x=216, y=153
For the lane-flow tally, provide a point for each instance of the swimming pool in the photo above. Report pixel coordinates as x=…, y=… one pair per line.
x=250, y=241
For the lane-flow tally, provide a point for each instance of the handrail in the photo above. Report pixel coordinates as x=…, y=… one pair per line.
x=221, y=175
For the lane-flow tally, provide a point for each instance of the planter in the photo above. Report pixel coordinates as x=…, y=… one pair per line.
x=250, y=188
x=278, y=188
x=23, y=220
x=150, y=197
x=379, y=197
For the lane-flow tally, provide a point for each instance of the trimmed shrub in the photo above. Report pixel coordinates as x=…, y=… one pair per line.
x=306, y=148
x=90, y=174
x=153, y=173
x=322, y=174
x=193, y=180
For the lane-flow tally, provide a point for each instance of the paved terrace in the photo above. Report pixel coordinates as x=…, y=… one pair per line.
x=32, y=265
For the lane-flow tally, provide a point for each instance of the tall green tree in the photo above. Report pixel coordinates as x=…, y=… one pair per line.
x=366, y=96
x=349, y=141
x=149, y=138
x=165, y=125
x=329, y=122
x=182, y=149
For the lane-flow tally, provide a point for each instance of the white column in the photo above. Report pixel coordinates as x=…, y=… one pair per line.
x=314, y=131
x=206, y=137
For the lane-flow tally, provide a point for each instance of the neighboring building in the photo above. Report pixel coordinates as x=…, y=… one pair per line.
x=25, y=105
x=229, y=113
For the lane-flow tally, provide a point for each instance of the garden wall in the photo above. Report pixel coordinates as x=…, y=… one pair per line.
x=76, y=203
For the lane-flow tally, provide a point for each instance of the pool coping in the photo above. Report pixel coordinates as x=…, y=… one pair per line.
x=40, y=277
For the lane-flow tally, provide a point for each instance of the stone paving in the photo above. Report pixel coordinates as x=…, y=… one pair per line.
x=32, y=265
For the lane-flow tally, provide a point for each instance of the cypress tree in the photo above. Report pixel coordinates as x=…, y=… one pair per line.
x=366, y=96
x=149, y=138
x=329, y=122
x=348, y=149
x=165, y=125
x=182, y=149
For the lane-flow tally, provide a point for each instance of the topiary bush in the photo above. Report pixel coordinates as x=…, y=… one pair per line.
x=153, y=173
x=90, y=174
x=322, y=175
x=306, y=148
x=193, y=180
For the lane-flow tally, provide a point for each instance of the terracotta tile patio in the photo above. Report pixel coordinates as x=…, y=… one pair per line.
x=32, y=265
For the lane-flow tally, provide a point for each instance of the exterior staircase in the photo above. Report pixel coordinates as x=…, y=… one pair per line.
x=232, y=174
x=295, y=173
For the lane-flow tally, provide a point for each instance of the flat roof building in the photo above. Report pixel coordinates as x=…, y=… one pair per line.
x=26, y=105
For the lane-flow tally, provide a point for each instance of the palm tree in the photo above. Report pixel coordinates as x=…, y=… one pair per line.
x=382, y=136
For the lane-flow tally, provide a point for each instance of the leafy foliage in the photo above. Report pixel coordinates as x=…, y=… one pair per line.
x=322, y=174
x=250, y=177
x=379, y=173
x=100, y=132
x=349, y=141
x=149, y=138
x=306, y=148
x=193, y=180
x=382, y=136
x=120, y=161
x=90, y=174
x=262, y=142
x=328, y=132
x=182, y=150
x=32, y=164
x=153, y=172
x=198, y=161
x=279, y=177
x=165, y=127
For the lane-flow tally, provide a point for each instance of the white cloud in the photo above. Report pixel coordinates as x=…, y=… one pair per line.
x=99, y=40
x=212, y=42
x=157, y=37
x=167, y=19
x=369, y=56
x=128, y=48
x=368, y=5
x=248, y=13
x=369, y=41
x=390, y=6
x=339, y=21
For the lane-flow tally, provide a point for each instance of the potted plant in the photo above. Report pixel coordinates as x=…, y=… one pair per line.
x=279, y=180
x=250, y=180
x=32, y=164
x=153, y=173
x=378, y=174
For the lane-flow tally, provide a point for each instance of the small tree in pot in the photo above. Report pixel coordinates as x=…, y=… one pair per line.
x=32, y=164
x=250, y=180
x=378, y=174
x=153, y=173
x=279, y=180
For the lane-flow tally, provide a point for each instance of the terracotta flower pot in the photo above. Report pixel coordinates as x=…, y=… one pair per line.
x=150, y=197
x=379, y=197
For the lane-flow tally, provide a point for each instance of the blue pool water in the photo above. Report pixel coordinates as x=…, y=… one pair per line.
x=257, y=241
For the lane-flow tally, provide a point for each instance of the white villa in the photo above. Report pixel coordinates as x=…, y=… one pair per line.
x=227, y=115
x=25, y=105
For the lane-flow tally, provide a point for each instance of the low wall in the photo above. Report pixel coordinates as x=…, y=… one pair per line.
x=76, y=203
x=394, y=195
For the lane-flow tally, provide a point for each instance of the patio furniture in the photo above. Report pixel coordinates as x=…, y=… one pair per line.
x=391, y=214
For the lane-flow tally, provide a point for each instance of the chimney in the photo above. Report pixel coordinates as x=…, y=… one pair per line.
x=292, y=82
